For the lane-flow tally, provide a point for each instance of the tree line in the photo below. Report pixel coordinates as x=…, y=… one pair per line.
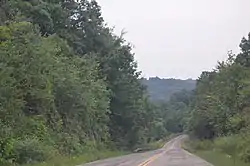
x=217, y=111
x=68, y=84
x=161, y=89
x=220, y=104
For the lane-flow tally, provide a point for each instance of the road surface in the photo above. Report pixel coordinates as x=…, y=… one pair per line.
x=170, y=155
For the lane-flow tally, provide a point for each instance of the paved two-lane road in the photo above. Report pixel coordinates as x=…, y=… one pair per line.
x=170, y=155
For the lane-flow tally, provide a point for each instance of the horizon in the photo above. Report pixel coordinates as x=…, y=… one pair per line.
x=169, y=78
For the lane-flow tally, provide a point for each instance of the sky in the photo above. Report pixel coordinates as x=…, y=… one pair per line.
x=179, y=38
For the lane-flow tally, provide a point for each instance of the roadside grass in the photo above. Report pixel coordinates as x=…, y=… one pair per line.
x=207, y=151
x=81, y=159
x=98, y=155
x=219, y=159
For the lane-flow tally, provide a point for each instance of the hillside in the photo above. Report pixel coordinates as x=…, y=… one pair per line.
x=69, y=86
x=161, y=89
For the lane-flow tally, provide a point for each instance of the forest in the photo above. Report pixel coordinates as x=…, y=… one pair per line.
x=161, y=89
x=68, y=84
x=219, y=112
x=215, y=111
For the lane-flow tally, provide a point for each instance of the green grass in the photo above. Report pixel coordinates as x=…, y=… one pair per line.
x=85, y=158
x=219, y=159
x=208, y=153
x=96, y=155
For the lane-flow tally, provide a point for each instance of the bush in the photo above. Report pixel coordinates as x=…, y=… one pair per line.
x=31, y=150
x=6, y=150
x=202, y=145
x=69, y=144
x=237, y=146
x=227, y=144
x=245, y=154
x=244, y=146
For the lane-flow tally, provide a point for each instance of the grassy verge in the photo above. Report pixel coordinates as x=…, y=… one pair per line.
x=219, y=159
x=211, y=154
x=97, y=155
x=85, y=158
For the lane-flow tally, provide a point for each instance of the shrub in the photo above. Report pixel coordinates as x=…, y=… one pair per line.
x=202, y=145
x=237, y=146
x=244, y=146
x=227, y=144
x=245, y=154
x=69, y=144
x=31, y=150
x=6, y=150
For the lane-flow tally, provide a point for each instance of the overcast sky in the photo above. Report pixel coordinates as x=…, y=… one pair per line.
x=179, y=38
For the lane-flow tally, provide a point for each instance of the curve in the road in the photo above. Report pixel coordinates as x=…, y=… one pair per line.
x=171, y=154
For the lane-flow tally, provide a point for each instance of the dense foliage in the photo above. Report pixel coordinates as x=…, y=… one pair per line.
x=161, y=90
x=173, y=99
x=220, y=108
x=68, y=84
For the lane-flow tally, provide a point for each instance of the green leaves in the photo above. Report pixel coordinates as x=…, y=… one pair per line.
x=40, y=78
x=67, y=82
x=222, y=97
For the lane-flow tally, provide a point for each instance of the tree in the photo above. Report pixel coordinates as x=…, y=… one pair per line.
x=68, y=83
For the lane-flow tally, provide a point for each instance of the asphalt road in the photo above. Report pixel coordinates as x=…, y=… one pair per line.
x=170, y=155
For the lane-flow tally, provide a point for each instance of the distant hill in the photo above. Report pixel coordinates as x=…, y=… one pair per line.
x=161, y=89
